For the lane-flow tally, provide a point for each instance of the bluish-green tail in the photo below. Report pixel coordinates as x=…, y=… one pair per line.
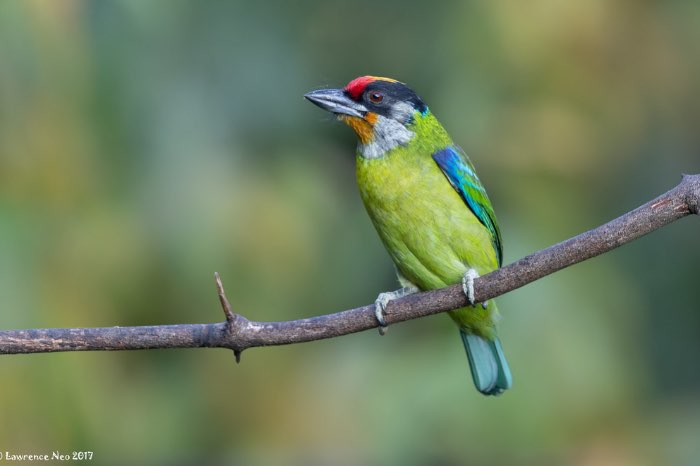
x=488, y=364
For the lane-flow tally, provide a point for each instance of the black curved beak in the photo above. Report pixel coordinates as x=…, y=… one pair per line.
x=335, y=101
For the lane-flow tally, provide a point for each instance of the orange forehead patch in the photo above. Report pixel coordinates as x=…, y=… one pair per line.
x=363, y=127
x=357, y=86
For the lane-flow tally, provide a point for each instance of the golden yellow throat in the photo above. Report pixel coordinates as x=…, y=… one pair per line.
x=363, y=127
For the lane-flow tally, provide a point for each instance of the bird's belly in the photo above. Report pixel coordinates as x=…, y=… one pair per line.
x=430, y=233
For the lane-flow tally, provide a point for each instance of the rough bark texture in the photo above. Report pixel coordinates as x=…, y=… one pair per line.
x=238, y=333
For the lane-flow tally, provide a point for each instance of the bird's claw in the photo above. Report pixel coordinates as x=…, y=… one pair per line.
x=379, y=308
x=468, y=287
x=383, y=300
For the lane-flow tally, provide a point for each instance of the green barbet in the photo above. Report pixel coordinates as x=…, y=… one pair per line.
x=428, y=206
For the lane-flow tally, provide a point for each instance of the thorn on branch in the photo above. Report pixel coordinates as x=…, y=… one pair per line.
x=230, y=316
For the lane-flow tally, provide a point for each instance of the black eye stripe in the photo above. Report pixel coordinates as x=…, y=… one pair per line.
x=394, y=91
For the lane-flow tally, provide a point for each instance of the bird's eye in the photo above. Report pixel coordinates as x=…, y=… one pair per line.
x=376, y=97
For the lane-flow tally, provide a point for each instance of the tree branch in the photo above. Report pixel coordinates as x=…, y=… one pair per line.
x=238, y=333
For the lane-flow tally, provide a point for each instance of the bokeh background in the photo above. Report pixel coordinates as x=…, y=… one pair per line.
x=146, y=144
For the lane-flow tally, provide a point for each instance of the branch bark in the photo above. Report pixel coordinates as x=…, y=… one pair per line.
x=238, y=333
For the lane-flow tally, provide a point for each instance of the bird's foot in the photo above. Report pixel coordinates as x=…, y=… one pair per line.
x=468, y=287
x=383, y=300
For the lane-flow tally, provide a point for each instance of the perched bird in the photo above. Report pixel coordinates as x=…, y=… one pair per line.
x=428, y=206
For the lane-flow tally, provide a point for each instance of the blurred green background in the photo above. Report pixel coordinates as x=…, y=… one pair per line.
x=146, y=144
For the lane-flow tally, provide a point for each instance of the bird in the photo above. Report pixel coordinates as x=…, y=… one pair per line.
x=429, y=207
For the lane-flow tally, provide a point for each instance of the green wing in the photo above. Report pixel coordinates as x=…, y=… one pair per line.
x=461, y=174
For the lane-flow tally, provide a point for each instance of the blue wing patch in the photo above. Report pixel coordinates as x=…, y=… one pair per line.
x=461, y=175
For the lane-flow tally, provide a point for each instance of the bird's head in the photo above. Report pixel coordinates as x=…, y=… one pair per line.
x=381, y=111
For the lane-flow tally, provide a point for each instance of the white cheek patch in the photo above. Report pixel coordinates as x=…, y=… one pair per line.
x=403, y=112
x=388, y=134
